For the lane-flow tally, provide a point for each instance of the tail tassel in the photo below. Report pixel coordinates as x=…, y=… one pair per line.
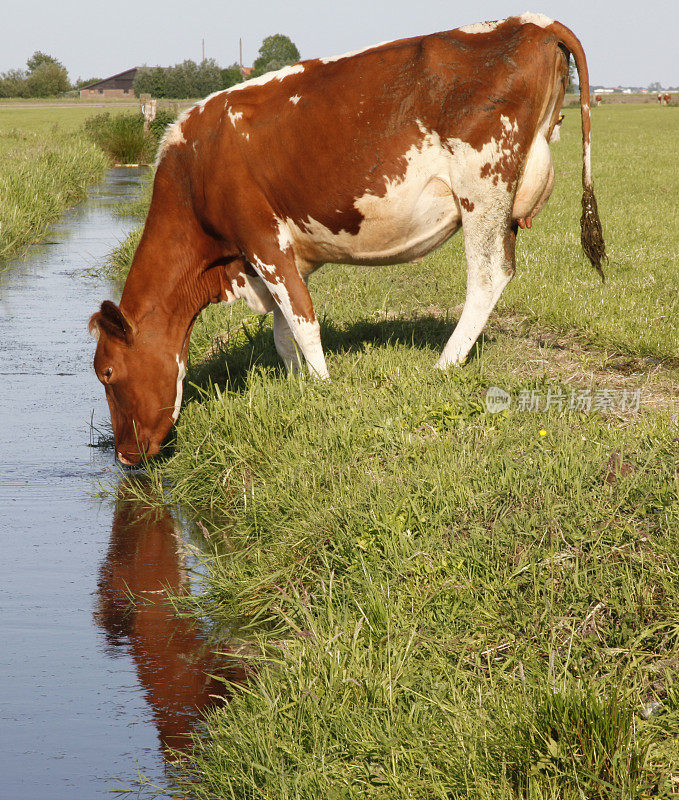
x=592, y=236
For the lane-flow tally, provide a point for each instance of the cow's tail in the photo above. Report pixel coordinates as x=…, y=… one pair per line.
x=591, y=234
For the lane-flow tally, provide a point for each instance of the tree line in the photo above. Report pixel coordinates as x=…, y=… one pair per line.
x=190, y=79
x=45, y=76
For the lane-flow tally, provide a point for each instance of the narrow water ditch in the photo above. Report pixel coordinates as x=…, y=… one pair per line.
x=93, y=685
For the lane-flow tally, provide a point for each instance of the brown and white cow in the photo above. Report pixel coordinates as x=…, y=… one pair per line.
x=373, y=157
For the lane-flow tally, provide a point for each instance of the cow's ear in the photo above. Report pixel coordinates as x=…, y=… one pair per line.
x=112, y=320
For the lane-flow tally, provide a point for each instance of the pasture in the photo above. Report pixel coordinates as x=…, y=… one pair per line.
x=438, y=601
x=44, y=168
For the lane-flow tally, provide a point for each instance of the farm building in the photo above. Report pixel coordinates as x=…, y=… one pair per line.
x=119, y=85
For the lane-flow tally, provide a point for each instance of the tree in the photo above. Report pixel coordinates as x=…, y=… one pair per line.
x=184, y=80
x=48, y=79
x=38, y=59
x=150, y=80
x=654, y=87
x=84, y=82
x=13, y=83
x=231, y=76
x=276, y=51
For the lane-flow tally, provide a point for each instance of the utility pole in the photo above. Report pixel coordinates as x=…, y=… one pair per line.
x=240, y=50
x=203, y=49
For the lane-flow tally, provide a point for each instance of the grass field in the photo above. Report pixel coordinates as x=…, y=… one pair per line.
x=446, y=602
x=42, y=119
x=44, y=167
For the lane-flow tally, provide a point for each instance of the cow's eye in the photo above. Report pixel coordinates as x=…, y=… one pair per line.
x=106, y=374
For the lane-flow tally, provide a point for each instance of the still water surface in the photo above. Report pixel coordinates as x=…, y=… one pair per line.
x=91, y=685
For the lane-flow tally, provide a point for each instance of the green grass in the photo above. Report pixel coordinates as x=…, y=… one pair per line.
x=44, y=168
x=450, y=603
x=432, y=585
x=123, y=138
x=41, y=120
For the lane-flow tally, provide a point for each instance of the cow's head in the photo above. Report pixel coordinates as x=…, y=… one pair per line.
x=142, y=377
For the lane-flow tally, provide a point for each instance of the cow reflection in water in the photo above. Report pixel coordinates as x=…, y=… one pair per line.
x=144, y=562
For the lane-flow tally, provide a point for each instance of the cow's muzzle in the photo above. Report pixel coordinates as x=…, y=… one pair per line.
x=131, y=456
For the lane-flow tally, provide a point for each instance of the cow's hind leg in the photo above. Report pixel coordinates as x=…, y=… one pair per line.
x=279, y=272
x=489, y=241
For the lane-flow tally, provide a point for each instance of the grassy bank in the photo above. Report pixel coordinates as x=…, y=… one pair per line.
x=44, y=168
x=449, y=602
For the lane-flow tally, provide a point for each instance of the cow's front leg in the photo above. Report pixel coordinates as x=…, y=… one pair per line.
x=282, y=278
x=489, y=243
x=285, y=343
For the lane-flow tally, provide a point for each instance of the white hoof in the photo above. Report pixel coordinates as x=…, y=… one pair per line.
x=445, y=363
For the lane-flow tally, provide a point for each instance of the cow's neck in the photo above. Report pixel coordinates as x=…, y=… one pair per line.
x=163, y=296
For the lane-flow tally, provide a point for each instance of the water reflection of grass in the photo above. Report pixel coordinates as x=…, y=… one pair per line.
x=454, y=603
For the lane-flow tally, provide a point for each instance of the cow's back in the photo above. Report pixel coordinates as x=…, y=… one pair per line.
x=318, y=143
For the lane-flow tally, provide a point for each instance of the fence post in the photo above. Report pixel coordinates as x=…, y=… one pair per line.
x=148, y=108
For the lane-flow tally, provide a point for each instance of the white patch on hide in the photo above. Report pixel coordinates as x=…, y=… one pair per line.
x=481, y=27
x=255, y=293
x=588, y=164
x=416, y=213
x=284, y=235
x=181, y=374
x=307, y=334
x=234, y=116
x=286, y=347
x=486, y=27
x=536, y=19
x=278, y=75
x=330, y=59
x=418, y=210
x=535, y=180
x=173, y=135
x=295, y=99
x=556, y=132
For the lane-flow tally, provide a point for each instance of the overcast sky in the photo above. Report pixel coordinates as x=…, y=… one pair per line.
x=626, y=42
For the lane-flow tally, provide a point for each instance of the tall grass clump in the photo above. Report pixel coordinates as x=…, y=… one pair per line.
x=39, y=177
x=569, y=737
x=123, y=138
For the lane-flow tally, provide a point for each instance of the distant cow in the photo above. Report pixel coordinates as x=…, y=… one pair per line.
x=664, y=99
x=598, y=100
x=374, y=157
